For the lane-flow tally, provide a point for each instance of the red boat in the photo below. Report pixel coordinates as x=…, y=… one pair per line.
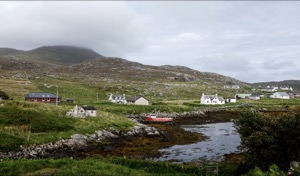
x=154, y=118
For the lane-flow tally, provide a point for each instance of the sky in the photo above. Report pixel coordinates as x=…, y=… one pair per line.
x=252, y=41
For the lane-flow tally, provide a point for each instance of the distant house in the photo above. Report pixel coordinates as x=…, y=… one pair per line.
x=280, y=95
x=211, y=99
x=83, y=111
x=137, y=100
x=227, y=86
x=231, y=100
x=69, y=100
x=269, y=89
x=42, y=97
x=254, y=96
x=231, y=87
x=286, y=88
x=235, y=86
x=242, y=96
x=117, y=99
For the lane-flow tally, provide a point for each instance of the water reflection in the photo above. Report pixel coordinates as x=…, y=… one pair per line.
x=222, y=139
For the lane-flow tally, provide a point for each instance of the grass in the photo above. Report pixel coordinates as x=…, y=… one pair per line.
x=273, y=104
x=95, y=166
x=36, y=123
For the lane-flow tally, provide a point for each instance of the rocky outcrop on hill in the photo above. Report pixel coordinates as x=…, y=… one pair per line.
x=81, y=143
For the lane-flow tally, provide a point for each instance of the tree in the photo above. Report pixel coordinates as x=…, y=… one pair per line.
x=270, y=139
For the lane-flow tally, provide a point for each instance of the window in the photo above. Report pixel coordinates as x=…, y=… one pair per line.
x=48, y=99
x=35, y=99
x=43, y=99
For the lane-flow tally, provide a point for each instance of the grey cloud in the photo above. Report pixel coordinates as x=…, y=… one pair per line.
x=236, y=38
x=279, y=65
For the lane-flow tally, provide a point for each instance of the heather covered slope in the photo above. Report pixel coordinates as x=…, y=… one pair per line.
x=78, y=66
x=8, y=51
x=61, y=55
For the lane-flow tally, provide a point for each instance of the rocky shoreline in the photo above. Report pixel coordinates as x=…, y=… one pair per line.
x=143, y=140
x=80, y=144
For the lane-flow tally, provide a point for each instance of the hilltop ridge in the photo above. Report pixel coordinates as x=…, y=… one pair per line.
x=75, y=65
x=59, y=54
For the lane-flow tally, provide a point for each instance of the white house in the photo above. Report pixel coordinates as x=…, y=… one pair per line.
x=269, y=89
x=227, y=86
x=211, y=99
x=231, y=100
x=137, y=100
x=242, y=96
x=235, y=86
x=117, y=99
x=286, y=88
x=281, y=95
x=254, y=96
x=83, y=111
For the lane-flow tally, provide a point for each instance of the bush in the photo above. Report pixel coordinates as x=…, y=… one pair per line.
x=270, y=139
x=4, y=95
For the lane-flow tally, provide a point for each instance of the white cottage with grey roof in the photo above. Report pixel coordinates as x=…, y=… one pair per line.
x=117, y=99
x=83, y=111
x=212, y=99
x=137, y=100
x=280, y=95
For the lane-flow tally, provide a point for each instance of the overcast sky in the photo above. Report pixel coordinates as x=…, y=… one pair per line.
x=252, y=41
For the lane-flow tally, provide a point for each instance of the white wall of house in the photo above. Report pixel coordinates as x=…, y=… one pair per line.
x=141, y=101
x=117, y=99
x=242, y=96
x=231, y=100
x=211, y=99
x=254, y=97
x=91, y=113
x=81, y=113
x=280, y=95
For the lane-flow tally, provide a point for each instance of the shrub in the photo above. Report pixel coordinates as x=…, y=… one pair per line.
x=4, y=95
x=270, y=139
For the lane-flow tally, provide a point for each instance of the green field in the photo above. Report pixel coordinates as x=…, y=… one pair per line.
x=27, y=123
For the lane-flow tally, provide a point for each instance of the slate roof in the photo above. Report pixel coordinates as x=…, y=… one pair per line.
x=89, y=108
x=255, y=94
x=41, y=95
x=118, y=97
x=134, y=98
x=283, y=94
x=213, y=96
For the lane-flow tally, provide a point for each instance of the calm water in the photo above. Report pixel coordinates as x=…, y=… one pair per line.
x=222, y=139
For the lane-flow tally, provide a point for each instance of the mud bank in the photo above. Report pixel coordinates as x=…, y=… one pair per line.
x=207, y=117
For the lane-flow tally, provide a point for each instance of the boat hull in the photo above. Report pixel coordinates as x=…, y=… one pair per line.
x=159, y=119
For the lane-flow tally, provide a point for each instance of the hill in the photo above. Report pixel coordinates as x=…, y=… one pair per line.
x=60, y=55
x=57, y=66
x=8, y=51
x=295, y=84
